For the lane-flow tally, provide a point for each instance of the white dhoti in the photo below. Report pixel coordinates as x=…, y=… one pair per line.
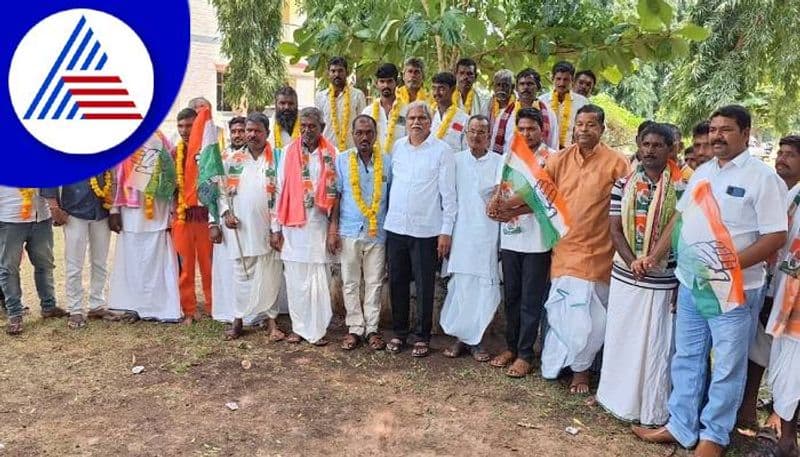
x=783, y=376
x=145, y=276
x=256, y=296
x=577, y=317
x=635, y=377
x=760, y=346
x=222, y=288
x=469, y=307
x=309, y=299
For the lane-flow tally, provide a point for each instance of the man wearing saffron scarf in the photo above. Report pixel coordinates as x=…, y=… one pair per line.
x=524, y=243
x=449, y=122
x=360, y=215
x=306, y=195
x=729, y=225
x=247, y=207
x=339, y=103
x=564, y=102
x=190, y=231
x=581, y=266
x=144, y=277
x=634, y=381
x=286, y=126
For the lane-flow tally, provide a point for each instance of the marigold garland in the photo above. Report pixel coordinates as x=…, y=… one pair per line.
x=564, y=109
x=340, y=129
x=278, y=135
x=467, y=103
x=394, y=115
x=105, y=193
x=179, y=166
x=27, y=194
x=371, y=211
x=405, y=97
x=446, y=120
x=496, y=106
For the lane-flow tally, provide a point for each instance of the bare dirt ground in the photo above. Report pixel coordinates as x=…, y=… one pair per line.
x=72, y=393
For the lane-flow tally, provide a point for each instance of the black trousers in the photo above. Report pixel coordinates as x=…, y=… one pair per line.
x=411, y=258
x=526, y=280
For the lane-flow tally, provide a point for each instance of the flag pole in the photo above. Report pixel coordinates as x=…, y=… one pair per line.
x=229, y=199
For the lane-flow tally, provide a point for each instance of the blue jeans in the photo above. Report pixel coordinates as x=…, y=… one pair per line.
x=37, y=239
x=729, y=335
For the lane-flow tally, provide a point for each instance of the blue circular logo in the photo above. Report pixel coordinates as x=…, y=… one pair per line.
x=87, y=86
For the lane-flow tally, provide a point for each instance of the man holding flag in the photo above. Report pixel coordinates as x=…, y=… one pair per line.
x=581, y=267
x=533, y=219
x=728, y=223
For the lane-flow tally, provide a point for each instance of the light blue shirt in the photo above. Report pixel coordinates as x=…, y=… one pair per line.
x=353, y=224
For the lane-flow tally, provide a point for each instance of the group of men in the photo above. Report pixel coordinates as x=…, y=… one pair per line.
x=511, y=196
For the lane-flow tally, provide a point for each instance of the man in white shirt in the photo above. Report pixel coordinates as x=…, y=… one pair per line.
x=419, y=225
x=564, y=103
x=339, y=103
x=285, y=123
x=470, y=98
x=449, y=122
x=25, y=222
x=306, y=195
x=473, y=292
x=388, y=111
x=251, y=179
x=750, y=223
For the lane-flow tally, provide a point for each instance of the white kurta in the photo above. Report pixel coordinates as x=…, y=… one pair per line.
x=473, y=293
x=357, y=104
x=576, y=313
x=511, y=127
x=305, y=257
x=480, y=102
x=145, y=272
x=578, y=101
x=455, y=135
x=383, y=122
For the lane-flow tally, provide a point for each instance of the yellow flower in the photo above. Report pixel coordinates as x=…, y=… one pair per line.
x=564, y=110
x=27, y=201
x=279, y=136
x=405, y=97
x=394, y=115
x=467, y=103
x=340, y=129
x=104, y=193
x=371, y=211
x=179, y=159
x=446, y=120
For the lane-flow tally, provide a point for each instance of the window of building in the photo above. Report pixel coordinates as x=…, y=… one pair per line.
x=222, y=105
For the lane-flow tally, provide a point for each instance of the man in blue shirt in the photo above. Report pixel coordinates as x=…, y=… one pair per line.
x=360, y=225
x=82, y=209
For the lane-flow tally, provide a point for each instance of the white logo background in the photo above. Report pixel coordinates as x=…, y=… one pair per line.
x=37, y=53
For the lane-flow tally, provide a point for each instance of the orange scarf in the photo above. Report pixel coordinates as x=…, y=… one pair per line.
x=291, y=211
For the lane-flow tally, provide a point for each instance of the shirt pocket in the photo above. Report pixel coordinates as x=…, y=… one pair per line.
x=735, y=211
x=426, y=171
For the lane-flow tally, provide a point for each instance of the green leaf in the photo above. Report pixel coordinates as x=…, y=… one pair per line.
x=450, y=27
x=693, y=32
x=414, y=29
x=474, y=28
x=364, y=34
x=650, y=14
x=612, y=75
x=497, y=16
x=288, y=49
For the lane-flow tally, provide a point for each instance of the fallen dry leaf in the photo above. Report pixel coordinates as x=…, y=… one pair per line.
x=528, y=425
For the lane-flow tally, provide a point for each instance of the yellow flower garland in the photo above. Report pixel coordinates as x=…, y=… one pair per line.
x=405, y=97
x=104, y=193
x=340, y=129
x=564, y=109
x=179, y=158
x=394, y=115
x=370, y=212
x=467, y=103
x=446, y=120
x=27, y=201
x=279, y=136
x=496, y=107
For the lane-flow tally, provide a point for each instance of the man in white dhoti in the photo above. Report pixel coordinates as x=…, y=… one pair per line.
x=473, y=292
x=306, y=195
x=634, y=380
x=362, y=182
x=247, y=206
x=144, y=279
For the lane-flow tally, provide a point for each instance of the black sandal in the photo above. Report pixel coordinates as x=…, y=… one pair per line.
x=395, y=345
x=421, y=349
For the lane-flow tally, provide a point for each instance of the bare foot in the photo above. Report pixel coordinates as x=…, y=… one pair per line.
x=774, y=422
x=187, y=320
x=294, y=338
x=235, y=331
x=275, y=333
x=503, y=359
x=580, y=383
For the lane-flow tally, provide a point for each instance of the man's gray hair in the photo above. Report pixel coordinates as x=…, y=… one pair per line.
x=197, y=100
x=313, y=113
x=415, y=62
x=420, y=104
x=504, y=75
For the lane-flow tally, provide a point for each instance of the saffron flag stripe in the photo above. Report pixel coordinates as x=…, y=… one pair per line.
x=56, y=66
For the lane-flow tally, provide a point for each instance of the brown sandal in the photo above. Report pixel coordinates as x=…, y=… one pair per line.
x=76, y=321
x=421, y=349
x=395, y=345
x=294, y=338
x=479, y=354
x=454, y=351
x=503, y=359
x=376, y=342
x=14, y=326
x=350, y=341
x=519, y=369
x=321, y=342
x=235, y=331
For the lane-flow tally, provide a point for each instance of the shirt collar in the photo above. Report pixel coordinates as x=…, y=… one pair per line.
x=483, y=157
x=739, y=161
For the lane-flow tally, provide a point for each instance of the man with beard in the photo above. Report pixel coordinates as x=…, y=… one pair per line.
x=339, y=103
x=286, y=125
x=505, y=107
x=564, y=102
x=387, y=110
x=585, y=80
x=413, y=77
x=469, y=98
x=362, y=185
x=236, y=129
x=306, y=196
x=703, y=152
x=729, y=225
x=529, y=83
x=419, y=224
x=251, y=176
x=449, y=122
